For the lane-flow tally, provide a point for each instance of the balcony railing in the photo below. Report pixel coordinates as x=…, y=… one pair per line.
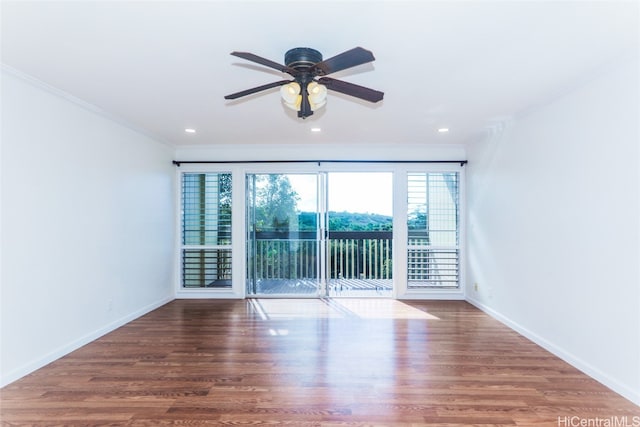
x=351, y=256
x=275, y=255
x=360, y=255
x=294, y=255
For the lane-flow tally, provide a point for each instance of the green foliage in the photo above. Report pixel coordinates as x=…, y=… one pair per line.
x=276, y=203
x=417, y=220
x=224, y=191
x=276, y=210
x=307, y=221
x=349, y=221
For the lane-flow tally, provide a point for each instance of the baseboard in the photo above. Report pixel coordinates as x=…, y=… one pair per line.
x=622, y=389
x=16, y=374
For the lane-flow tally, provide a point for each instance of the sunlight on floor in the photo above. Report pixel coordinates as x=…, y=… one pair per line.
x=293, y=308
x=363, y=308
x=371, y=308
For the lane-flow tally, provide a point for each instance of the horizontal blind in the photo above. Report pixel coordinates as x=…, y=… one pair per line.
x=206, y=230
x=433, y=230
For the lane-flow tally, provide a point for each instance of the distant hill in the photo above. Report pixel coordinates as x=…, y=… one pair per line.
x=348, y=221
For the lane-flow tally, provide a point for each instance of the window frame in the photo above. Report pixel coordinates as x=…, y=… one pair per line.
x=237, y=215
x=204, y=218
x=400, y=172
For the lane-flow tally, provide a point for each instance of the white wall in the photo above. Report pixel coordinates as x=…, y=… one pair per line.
x=553, y=227
x=87, y=225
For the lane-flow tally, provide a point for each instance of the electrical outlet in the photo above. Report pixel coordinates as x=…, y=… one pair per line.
x=475, y=287
x=110, y=305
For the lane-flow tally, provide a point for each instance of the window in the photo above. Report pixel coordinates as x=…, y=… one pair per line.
x=206, y=230
x=433, y=222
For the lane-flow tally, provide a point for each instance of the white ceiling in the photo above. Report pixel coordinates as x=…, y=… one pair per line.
x=164, y=66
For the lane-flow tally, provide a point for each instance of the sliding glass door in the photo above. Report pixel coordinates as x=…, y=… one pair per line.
x=324, y=234
x=283, y=243
x=360, y=223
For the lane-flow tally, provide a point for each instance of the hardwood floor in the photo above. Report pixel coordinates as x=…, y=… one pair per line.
x=333, y=362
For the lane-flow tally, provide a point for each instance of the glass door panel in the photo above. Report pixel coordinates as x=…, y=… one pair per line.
x=283, y=246
x=359, y=246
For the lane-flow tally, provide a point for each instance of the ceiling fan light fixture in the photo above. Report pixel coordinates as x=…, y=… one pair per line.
x=317, y=95
x=308, y=89
x=290, y=94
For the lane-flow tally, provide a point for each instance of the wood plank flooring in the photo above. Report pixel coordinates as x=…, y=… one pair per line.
x=333, y=362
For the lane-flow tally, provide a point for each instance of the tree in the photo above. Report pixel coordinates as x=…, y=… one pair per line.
x=276, y=203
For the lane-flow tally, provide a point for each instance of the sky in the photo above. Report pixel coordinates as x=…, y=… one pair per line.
x=361, y=192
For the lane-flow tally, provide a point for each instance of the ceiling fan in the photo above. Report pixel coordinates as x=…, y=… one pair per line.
x=307, y=91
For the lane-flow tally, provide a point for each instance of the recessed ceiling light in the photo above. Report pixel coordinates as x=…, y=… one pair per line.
x=316, y=130
x=443, y=130
x=189, y=130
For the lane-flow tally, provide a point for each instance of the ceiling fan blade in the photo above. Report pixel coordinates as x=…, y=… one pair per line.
x=263, y=61
x=257, y=89
x=344, y=60
x=351, y=89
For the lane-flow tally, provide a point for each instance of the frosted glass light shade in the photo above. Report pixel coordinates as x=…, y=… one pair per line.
x=291, y=95
x=317, y=95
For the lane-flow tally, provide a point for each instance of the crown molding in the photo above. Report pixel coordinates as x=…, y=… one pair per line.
x=33, y=81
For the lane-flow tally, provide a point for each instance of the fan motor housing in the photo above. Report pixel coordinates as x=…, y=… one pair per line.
x=302, y=58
